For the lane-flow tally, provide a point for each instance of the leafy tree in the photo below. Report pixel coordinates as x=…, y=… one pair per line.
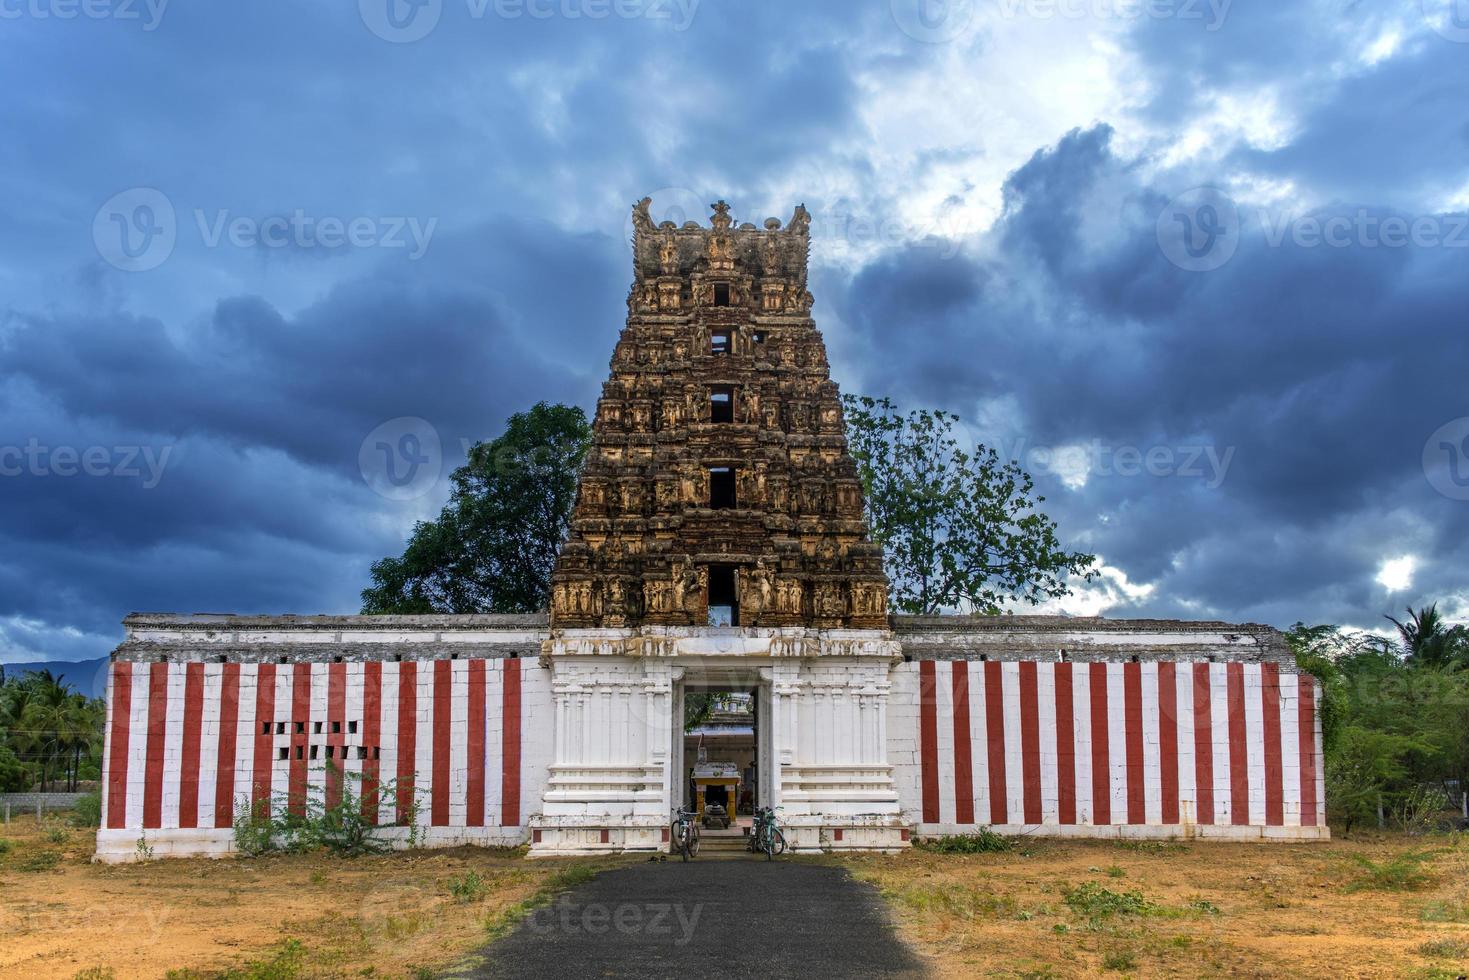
x=495, y=542
x=1395, y=725
x=959, y=529
x=1430, y=641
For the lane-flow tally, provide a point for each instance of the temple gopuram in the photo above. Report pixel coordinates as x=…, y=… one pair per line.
x=718, y=477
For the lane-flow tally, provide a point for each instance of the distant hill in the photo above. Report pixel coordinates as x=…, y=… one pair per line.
x=87, y=676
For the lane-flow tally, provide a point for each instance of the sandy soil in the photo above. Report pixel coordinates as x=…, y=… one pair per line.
x=386, y=916
x=1211, y=908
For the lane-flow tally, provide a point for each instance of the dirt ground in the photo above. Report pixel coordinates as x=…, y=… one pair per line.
x=388, y=916
x=1073, y=908
x=1043, y=909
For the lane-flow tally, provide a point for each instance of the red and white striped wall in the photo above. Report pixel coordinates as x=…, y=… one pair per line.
x=188, y=743
x=1109, y=749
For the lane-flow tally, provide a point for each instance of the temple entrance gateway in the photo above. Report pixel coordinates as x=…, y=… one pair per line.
x=817, y=703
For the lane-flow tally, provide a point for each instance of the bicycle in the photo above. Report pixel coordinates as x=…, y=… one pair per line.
x=685, y=833
x=765, y=835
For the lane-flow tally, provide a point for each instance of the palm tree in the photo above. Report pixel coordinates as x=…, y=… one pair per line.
x=50, y=726
x=1428, y=640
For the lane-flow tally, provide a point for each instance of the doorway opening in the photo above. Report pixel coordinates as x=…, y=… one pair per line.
x=719, y=775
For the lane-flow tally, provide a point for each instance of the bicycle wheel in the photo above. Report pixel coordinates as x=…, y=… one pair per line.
x=780, y=842
x=767, y=843
x=693, y=847
x=675, y=836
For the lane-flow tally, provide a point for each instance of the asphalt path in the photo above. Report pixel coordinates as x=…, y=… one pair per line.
x=707, y=918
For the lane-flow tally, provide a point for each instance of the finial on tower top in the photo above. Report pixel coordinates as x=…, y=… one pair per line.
x=721, y=220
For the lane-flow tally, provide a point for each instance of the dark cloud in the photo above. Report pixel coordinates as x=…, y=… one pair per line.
x=1321, y=369
x=261, y=370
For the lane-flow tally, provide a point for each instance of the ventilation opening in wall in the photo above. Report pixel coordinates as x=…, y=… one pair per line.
x=313, y=753
x=300, y=728
x=721, y=404
x=280, y=728
x=316, y=729
x=721, y=488
x=351, y=728
x=336, y=728
x=721, y=294
x=285, y=754
x=361, y=752
x=724, y=603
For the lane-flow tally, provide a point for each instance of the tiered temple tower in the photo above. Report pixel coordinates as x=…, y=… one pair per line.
x=718, y=489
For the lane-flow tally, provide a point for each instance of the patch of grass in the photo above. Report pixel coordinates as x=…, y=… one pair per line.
x=1098, y=905
x=1445, y=912
x=983, y=841
x=1119, y=959
x=1457, y=948
x=500, y=925
x=6, y=845
x=1202, y=907
x=1159, y=847
x=1116, y=872
x=286, y=962
x=38, y=861
x=963, y=903
x=467, y=887
x=571, y=876
x=94, y=973
x=399, y=927
x=1402, y=873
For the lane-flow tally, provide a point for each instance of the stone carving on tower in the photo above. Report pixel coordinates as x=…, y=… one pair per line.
x=718, y=475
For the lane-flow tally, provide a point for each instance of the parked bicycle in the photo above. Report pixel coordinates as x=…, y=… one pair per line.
x=685, y=833
x=765, y=835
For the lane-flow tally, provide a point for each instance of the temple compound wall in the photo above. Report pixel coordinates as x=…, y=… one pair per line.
x=507, y=733
x=719, y=541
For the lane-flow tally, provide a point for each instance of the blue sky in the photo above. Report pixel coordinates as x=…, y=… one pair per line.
x=1202, y=268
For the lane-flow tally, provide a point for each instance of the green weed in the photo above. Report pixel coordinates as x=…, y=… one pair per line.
x=1405, y=872
x=1097, y=905
x=983, y=841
